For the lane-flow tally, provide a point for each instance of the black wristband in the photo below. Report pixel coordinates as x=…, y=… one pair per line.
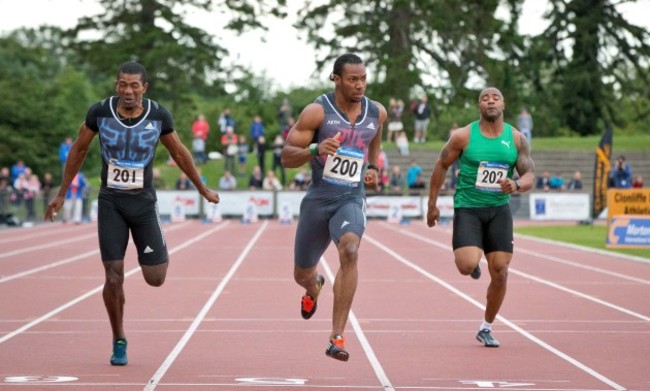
x=372, y=167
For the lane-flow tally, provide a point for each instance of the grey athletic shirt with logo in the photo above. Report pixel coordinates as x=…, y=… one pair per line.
x=355, y=139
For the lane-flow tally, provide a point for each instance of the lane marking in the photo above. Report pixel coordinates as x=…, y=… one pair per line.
x=374, y=361
x=31, y=235
x=542, y=281
x=155, y=379
x=507, y=322
x=583, y=266
x=63, y=262
x=98, y=289
x=47, y=245
x=586, y=249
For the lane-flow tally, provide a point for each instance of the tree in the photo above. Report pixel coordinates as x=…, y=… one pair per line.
x=180, y=58
x=437, y=47
x=596, y=54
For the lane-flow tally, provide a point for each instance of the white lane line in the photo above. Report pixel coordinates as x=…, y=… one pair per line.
x=370, y=353
x=585, y=248
x=86, y=295
x=507, y=322
x=48, y=266
x=583, y=266
x=63, y=261
x=29, y=234
x=46, y=245
x=155, y=379
x=541, y=281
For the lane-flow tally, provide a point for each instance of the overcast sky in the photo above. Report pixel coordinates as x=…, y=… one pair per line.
x=287, y=60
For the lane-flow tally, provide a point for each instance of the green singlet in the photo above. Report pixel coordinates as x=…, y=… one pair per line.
x=482, y=164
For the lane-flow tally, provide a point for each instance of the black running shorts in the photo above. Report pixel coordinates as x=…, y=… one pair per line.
x=489, y=228
x=120, y=213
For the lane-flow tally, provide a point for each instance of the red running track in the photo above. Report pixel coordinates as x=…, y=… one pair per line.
x=228, y=315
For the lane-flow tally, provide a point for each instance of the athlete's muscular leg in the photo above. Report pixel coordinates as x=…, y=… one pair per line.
x=113, y=295
x=467, y=258
x=155, y=275
x=345, y=284
x=498, y=262
x=306, y=278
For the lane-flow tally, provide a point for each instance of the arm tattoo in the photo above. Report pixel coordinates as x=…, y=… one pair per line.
x=524, y=161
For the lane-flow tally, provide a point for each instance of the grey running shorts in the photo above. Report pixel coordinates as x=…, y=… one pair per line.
x=322, y=221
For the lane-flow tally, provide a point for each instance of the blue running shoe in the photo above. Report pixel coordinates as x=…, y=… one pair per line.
x=119, y=352
x=485, y=336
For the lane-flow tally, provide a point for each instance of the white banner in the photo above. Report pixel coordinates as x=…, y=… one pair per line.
x=168, y=198
x=293, y=198
x=234, y=203
x=380, y=206
x=559, y=206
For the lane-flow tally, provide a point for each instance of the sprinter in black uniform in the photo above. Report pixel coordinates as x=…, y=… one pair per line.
x=340, y=135
x=129, y=127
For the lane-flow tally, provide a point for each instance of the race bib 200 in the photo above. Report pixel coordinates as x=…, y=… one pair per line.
x=344, y=167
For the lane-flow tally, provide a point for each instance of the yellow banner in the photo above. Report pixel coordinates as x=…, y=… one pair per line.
x=628, y=202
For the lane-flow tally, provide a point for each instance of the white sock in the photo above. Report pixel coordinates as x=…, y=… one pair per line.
x=485, y=326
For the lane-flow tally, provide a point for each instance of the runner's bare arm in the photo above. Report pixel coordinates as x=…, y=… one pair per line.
x=525, y=165
x=296, y=151
x=184, y=161
x=76, y=157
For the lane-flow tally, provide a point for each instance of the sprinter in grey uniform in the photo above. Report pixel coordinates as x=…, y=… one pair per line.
x=340, y=136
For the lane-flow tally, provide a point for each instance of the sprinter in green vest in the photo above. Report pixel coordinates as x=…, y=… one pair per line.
x=489, y=151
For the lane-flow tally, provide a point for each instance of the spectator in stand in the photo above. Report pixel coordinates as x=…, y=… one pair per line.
x=6, y=190
x=396, y=180
x=383, y=180
x=576, y=182
x=285, y=131
x=158, y=181
x=17, y=169
x=284, y=113
x=422, y=112
x=418, y=183
x=183, y=182
x=556, y=182
x=621, y=174
x=278, y=144
x=47, y=184
x=230, y=148
x=402, y=143
x=638, y=182
x=261, y=152
x=225, y=120
x=64, y=149
x=198, y=148
x=73, y=204
x=382, y=159
x=227, y=181
x=543, y=182
x=29, y=185
x=201, y=127
x=412, y=173
x=256, y=180
x=256, y=131
x=242, y=155
x=300, y=180
x=271, y=182
x=525, y=123
x=395, y=124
